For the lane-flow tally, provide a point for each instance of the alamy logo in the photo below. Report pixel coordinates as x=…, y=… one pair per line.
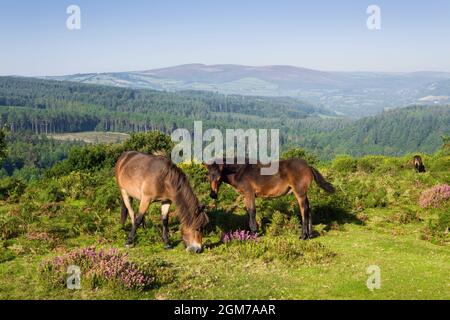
x=73, y=22
x=374, y=279
x=241, y=144
x=74, y=278
x=374, y=20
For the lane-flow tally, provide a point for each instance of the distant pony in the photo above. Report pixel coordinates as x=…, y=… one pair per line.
x=418, y=164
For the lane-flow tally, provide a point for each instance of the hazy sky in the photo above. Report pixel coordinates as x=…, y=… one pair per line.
x=129, y=35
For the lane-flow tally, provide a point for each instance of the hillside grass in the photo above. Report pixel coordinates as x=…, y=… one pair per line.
x=373, y=219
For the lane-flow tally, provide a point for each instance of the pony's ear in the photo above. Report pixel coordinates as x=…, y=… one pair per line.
x=220, y=166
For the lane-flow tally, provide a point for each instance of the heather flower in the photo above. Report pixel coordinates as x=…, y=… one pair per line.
x=103, y=265
x=433, y=197
x=239, y=235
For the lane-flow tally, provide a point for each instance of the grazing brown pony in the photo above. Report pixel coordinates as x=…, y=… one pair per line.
x=418, y=164
x=151, y=178
x=294, y=176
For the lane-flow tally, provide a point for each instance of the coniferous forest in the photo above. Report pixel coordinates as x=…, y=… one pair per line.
x=33, y=109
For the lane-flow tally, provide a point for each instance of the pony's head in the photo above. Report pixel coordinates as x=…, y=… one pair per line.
x=215, y=178
x=193, y=232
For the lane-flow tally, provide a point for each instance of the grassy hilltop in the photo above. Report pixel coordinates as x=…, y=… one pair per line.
x=381, y=215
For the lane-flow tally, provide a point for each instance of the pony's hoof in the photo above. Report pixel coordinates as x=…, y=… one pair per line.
x=168, y=247
x=128, y=245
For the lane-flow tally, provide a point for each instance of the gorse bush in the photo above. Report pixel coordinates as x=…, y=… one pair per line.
x=277, y=225
x=404, y=216
x=10, y=225
x=344, y=163
x=106, y=195
x=437, y=229
x=298, y=153
x=75, y=184
x=148, y=142
x=6, y=255
x=100, y=156
x=368, y=164
x=439, y=164
x=11, y=188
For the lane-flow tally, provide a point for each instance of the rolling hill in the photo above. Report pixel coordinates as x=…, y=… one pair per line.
x=48, y=107
x=394, y=132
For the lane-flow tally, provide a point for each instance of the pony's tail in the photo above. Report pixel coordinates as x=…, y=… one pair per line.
x=320, y=180
x=123, y=213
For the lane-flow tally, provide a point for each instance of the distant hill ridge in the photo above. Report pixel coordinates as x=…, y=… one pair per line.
x=354, y=94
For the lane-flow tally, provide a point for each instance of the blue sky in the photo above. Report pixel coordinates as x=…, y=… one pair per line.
x=129, y=35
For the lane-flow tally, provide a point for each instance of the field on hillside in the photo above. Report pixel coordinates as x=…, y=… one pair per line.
x=91, y=137
x=382, y=214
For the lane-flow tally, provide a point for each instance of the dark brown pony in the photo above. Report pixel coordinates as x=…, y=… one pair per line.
x=151, y=178
x=418, y=164
x=293, y=176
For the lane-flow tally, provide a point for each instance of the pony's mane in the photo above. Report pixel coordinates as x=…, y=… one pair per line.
x=160, y=153
x=185, y=199
x=231, y=166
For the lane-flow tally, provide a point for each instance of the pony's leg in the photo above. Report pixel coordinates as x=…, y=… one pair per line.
x=304, y=210
x=251, y=211
x=165, y=223
x=143, y=207
x=123, y=213
x=127, y=203
x=310, y=227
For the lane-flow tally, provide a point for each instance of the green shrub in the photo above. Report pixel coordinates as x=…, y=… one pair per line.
x=438, y=164
x=148, y=142
x=10, y=225
x=76, y=184
x=345, y=164
x=106, y=196
x=437, y=229
x=91, y=157
x=11, y=188
x=282, y=249
x=299, y=153
x=405, y=216
x=368, y=164
x=95, y=157
x=376, y=198
x=277, y=224
x=6, y=255
x=51, y=192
